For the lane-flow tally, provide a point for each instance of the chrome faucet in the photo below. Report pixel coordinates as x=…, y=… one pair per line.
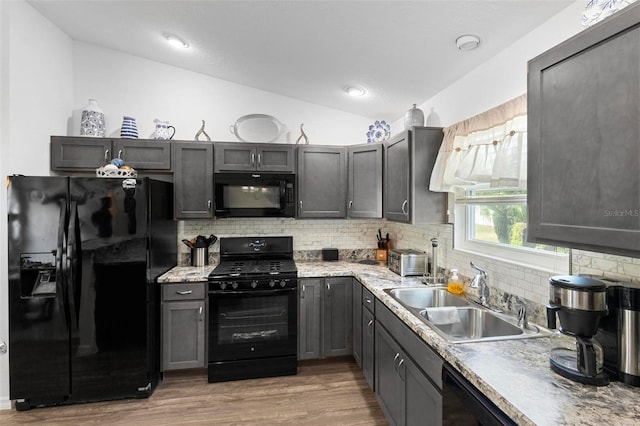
x=480, y=281
x=522, y=317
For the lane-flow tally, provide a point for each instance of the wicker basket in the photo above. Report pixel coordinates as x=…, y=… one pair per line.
x=119, y=173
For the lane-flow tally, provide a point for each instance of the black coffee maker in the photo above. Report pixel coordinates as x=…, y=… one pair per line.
x=619, y=332
x=580, y=303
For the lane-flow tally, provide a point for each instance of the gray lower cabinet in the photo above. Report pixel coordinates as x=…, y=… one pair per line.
x=309, y=325
x=238, y=157
x=193, y=180
x=365, y=181
x=183, y=326
x=409, y=159
x=368, y=338
x=357, y=321
x=409, y=391
x=325, y=317
x=322, y=181
x=73, y=153
x=583, y=187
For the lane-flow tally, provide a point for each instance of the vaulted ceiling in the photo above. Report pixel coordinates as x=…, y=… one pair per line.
x=400, y=52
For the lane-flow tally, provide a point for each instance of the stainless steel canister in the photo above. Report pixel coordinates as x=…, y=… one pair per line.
x=199, y=256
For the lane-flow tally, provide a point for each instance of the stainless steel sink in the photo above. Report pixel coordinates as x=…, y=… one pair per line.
x=478, y=325
x=471, y=324
x=426, y=297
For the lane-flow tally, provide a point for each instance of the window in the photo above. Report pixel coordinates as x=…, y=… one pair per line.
x=483, y=162
x=494, y=223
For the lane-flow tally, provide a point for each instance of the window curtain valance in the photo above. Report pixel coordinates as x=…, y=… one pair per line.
x=488, y=150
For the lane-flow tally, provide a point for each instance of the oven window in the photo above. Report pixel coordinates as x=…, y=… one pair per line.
x=247, y=197
x=253, y=320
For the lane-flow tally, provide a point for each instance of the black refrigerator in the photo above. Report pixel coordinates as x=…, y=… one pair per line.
x=84, y=258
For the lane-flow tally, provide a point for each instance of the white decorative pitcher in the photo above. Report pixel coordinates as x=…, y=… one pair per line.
x=163, y=130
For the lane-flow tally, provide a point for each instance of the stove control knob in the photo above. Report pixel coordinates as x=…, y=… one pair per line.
x=282, y=283
x=234, y=285
x=223, y=286
x=254, y=284
x=272, y=283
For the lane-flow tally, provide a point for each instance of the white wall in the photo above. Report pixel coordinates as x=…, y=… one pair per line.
x=128, y=85
x=503, y=77
x=36, y=79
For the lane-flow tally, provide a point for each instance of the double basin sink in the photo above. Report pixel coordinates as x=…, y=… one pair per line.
x=458, y=320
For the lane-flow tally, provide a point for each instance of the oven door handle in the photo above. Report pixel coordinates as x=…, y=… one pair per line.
x=252, y=293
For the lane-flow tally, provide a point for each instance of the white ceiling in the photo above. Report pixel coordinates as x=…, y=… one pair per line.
x=401, y=52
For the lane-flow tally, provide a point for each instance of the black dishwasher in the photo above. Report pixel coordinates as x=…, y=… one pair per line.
x=463, y=404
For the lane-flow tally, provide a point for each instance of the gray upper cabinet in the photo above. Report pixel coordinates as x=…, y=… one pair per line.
x=409, y=158
x=583, y=141
x=322, y=182
x=365, y=181
x=143, y=154
x=239, y=157
x=193, y=180
x=88, y=153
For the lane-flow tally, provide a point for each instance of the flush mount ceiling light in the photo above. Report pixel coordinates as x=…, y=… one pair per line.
x=176, y=41
x=355, y=91
x=467, y=42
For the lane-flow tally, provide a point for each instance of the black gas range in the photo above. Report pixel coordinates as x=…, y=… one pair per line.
x=253, y=309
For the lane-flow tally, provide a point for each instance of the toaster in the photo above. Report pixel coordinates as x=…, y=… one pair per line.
x=407, y=262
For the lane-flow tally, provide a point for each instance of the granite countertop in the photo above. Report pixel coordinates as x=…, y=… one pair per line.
x=514, y=374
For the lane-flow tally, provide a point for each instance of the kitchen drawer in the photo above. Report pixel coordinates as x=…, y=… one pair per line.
x=368, y=299
x=183, y=291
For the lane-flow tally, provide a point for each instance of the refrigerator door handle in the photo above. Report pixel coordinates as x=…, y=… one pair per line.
x=61, y=256
x=71, y=263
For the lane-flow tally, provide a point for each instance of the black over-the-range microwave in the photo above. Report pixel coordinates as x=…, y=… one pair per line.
x=254, y=195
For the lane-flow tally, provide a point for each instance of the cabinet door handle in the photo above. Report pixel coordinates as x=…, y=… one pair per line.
x=366, y=299
x=259, y=160
x=120, y=154
x=403, y=208
x=300, y=208
x=184, y=292
x=253, y=159
x=402, y=376
x=303, y=290
x=328, y=290
x=350, y=204
x=395, y=358
x=370, y=328
x=209, y=205
x=200, y=313
x=106, y=155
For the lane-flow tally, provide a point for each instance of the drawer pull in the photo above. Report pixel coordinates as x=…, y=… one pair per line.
x=366, y=299
x=184, y=292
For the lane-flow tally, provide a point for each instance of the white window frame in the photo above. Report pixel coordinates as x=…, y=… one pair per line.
x=554, y=263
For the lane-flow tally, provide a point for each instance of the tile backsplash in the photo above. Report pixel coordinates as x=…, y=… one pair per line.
x=511, y=283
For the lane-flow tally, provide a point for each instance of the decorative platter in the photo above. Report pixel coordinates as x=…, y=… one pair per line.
x=257, y=128
x=379, y=131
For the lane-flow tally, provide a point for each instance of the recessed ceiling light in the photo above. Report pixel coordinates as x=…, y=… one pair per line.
x=176, y=41
x=467, y=42
x=355, y=91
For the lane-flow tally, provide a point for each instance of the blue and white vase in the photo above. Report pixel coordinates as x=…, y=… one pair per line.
x=92, y=121
x=129, y=129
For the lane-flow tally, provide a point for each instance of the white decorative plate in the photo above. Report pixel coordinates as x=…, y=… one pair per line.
x=257, y=128
x=379, y=131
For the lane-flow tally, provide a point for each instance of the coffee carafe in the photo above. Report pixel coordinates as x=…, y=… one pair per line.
x=580, y=303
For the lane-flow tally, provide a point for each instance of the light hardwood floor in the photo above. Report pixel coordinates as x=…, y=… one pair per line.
x=328, y=392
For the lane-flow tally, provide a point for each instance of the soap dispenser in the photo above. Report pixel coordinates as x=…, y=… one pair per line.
x=454, y=285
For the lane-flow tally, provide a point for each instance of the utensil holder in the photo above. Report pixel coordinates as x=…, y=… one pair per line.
x=199, y=256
